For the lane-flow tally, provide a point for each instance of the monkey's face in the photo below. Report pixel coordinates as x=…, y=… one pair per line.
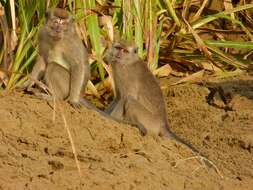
x=58, y=23
x=121, y=52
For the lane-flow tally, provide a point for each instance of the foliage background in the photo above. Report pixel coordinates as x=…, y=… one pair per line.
x=184, y=38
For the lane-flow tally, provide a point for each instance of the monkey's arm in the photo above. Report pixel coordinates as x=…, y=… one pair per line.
x=79, y=76
x=37, y=72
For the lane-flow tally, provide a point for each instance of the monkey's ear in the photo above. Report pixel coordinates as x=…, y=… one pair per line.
x=48, y=14
x=71, y=18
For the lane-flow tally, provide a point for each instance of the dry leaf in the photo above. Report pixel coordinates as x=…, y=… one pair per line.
x=210, y=67
x=91, y=88
x=106, y=83
x=191, y=78
x=228, y=6
x=107, y=22
x=163, y=71
x=178, y=74
x=197, y=15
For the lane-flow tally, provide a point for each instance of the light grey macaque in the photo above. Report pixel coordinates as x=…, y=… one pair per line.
x=138, y=97
x=62, y=62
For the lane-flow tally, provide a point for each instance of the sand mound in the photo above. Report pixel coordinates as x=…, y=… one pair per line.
x=36, y=153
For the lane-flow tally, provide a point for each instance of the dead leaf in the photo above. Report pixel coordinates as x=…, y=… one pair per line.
x=229, y=6
x=178, y=74
x=191, y=78
x=163, y=71
x=210, y=67
x=107, y=22
x=92, y=89
x=197, y=15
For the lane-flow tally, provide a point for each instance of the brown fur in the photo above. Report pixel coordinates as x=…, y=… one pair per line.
x=138, y=98
x=60, y=13
x=62, y=61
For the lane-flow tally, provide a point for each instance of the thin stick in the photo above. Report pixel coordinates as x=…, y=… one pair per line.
x=202, y=159
x=71, y=142
x=197, y=15
x=54, y=108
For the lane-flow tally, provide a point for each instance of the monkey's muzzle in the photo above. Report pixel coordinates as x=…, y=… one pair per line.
x=115, y=53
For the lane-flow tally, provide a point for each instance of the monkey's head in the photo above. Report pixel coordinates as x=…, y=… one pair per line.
x=122, y=52
x=58, y=23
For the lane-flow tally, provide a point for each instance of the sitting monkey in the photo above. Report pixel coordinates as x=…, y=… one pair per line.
x=62, y=61
x=138, y=97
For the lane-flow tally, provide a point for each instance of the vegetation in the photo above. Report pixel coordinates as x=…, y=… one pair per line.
x=178, y=37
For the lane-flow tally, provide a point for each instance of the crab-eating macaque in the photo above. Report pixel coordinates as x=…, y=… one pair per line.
x=62, y=62
x=138, y=97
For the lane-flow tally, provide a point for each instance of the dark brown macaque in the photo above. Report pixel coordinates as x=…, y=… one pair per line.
x=62, y=62
x=138, y=98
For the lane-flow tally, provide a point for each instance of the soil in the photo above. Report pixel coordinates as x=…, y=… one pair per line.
x=36, y=153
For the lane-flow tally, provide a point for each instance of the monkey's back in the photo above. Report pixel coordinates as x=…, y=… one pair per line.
x=150, y=89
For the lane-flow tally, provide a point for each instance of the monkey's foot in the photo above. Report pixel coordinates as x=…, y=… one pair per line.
x=143, y=130
x=24, y=87
x=42, y=95
x=76, y=105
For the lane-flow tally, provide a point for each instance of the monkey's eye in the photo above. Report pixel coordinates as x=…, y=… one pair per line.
x=121, y=49
x=125, y=50
x=55, y=21
x=118, y=48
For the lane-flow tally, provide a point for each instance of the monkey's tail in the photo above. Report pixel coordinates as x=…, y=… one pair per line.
x=170, y=134
x=202, y=158
x=90, y=106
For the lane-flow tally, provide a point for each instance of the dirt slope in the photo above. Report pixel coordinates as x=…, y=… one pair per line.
x=35, y=151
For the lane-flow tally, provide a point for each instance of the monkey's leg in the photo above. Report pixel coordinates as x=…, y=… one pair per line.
x=118, y=109
x=37, y=72
x=137, y=113
x=58, y=80
x=117, y=114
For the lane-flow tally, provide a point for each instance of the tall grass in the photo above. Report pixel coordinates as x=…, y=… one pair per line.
x=165, y=32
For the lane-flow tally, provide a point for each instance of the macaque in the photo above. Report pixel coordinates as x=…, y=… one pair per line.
x=138, y=98
x=62, y=62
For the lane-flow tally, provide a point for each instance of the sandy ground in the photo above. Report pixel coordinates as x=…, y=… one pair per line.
x=36, y=153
